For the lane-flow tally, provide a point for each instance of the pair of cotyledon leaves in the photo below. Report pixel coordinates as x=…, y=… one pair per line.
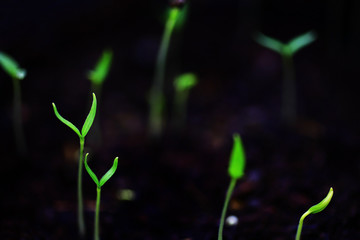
x=289, y=48
x=85, y=129
x=11, y=67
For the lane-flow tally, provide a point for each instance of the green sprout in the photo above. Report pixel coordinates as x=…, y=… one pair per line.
x=12, y=68
x=85, y=129
x=182, y=84
x=156, y=95
x=314, y=209
x=287, y=52
x=97, y=77
x=235, y=171
x=99, y=184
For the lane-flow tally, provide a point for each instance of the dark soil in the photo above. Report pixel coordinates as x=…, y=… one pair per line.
x=179, y=180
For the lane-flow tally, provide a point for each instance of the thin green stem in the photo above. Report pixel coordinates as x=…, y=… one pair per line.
x=97, y=214
x=226, y=204
x=298, y=232
x=289, y=89
x=17, y=119
x=156, y=98
x=81, y=221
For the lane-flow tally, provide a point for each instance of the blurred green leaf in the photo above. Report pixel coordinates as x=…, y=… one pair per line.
x=269, y=42
x=66, y=122
x=98, y=75
x=90, y=118
x=185, y=81
x=301, y=41
x=11, y=66
x=237, y=159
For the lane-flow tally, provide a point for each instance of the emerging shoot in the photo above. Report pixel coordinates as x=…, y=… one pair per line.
x=287, y=51
x=182, y=84
x=85, y=129
x=314, y=209
x=12, y=68
x=99, y=184
x=235, y=171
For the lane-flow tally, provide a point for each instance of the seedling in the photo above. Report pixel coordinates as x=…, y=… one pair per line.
x=85, y=129
x=314, y=209
x=182, y=85
x=97, y=78
x=12, y=68
x=287, y=52
x=99, y=184
x=156, y=95
x=235, y=171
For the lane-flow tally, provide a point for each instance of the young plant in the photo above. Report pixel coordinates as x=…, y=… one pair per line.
x=235, y=171
x=287, y=51
x=97, y=78
x=85, y=129
x=12, y=68
x=314, y=209
x=182, y=84
x=99, y=184
x=156, y=95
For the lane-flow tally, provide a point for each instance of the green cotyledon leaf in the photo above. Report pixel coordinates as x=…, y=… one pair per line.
x=90, y=172
x=109, y=173
x=102, y=67
x=66, y=122
x=237, y=159
x=90, y=118
x=323, y=204
x=11, y=67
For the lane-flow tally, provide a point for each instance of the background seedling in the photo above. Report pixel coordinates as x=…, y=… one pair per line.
x=235, y=171
x=99, y=184
x=182, y=85
x=85, y=129
x=12, y=68
x=97, y=77
x=287, y=52
x=156, y=95
x=314, y=209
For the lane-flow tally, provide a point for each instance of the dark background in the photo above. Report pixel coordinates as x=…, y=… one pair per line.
x=180, y=179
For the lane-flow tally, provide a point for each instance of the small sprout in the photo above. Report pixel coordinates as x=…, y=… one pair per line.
x=85, y=129
x=314, y=209
x=99, y=184
x=236, y=171
x=99, y=74
x=11, y=67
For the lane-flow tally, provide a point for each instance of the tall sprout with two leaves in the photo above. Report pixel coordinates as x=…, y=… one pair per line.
x=99, y=184
x=85, y=129
x=11, y=67
x=314, y=209
x=156, y=96
x=287, y=51
x=235, y=171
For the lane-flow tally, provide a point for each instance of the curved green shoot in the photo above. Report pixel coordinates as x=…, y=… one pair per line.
x=85, y=129
x=101, y=70
x=235, y=171
x=156, y=95
x=11, y=67
x=301, y=41
x=182, y=85
x=314, y=209
x=99, y=184
x=269, y=42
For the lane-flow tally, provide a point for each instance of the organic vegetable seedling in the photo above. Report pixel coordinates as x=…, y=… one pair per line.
x=12, y=68
x=85, y=129
x=287, y=52
x=182, y=84
x=156, y=95
x=314, y=209
x=99, y=184
x=235, y=171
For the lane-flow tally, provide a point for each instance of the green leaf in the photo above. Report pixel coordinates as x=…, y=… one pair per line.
x=90, y=172
x=90, y=117
x=269, y=42
x=185, y=81
x=301, y=41
x=323, y=204
x=102, y=68
x=109, y=173
x=237, y=159
x=11, y=66
x=66, y=122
